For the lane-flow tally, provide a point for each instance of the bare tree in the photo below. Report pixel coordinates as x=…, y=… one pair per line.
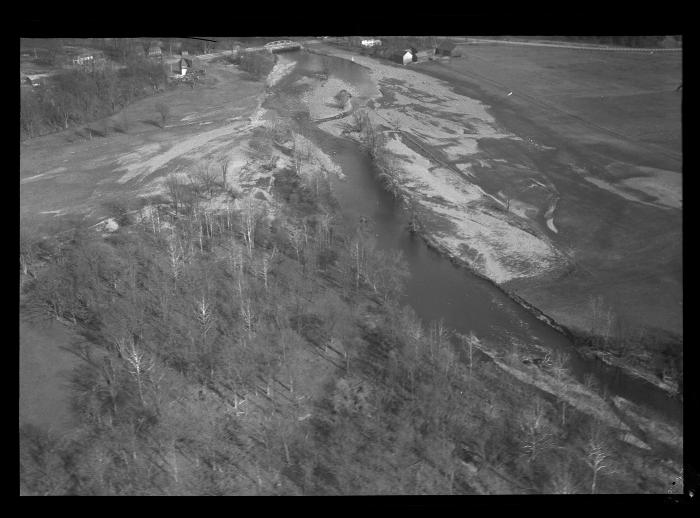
x=175, y=189
x=223, y=165
x=559, y=366
x=261, y=151
x=139, y=363
x=175, y=253
x=266, y=265
x=164, y=112
x=536, y=430
x=296, y=239
x=206, y=178
x=248, y=315
x=325, y=220
x=598, y=455
x=204, y=316
x=389, y=176
x=371, y=137
x=469, y=341
x=250, y=219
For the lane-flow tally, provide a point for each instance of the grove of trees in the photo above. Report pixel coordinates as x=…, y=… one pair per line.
x=76, y=97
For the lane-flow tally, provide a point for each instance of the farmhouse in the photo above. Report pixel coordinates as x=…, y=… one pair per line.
x=447, y=48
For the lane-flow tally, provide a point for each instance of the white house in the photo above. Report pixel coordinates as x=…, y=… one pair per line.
x=408, y=57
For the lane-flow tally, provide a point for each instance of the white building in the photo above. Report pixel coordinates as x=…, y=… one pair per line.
x=184, y=65
x=408, y=57
x=371, y=43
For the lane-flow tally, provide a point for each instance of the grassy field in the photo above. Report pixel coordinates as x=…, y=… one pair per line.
x=607, y=135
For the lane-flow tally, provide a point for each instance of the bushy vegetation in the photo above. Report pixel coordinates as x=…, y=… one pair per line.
x=76, y=97
x=258, y=64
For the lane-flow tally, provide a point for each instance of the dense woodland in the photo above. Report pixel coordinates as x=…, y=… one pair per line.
x=261, y=349
x=76, y=97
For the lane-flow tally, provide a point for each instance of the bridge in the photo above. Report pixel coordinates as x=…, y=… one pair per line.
x=282, y=46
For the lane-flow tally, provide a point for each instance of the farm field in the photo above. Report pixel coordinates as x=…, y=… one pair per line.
x=556, y=173
x=611, y=124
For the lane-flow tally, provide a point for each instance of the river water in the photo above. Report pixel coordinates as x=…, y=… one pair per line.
x=436, y=287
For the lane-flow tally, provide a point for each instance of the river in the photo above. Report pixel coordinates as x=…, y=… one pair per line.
x=436, y=287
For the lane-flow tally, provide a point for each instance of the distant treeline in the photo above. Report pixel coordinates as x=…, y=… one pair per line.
x=51, y=51
x=75, y=97
x=622, y=41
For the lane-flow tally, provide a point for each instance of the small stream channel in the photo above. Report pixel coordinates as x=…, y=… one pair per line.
x=436, y=287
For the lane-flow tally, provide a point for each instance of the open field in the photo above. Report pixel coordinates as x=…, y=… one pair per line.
x=561, y=180
x=586, y=148
x=613, y=126
x=65, y=172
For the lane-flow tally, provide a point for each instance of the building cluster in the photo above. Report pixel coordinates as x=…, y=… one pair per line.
x=405, y=55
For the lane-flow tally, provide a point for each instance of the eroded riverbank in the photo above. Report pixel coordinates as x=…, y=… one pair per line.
x=501, y=225
x=360, y=198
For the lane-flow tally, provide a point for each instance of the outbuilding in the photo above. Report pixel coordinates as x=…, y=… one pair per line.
x=184, y=65
x=407, y=57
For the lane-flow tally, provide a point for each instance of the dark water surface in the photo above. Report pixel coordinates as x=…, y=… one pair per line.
x=436, y=287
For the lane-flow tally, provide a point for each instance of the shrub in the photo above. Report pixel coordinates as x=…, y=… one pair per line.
x=257, y=64
x=164, y=112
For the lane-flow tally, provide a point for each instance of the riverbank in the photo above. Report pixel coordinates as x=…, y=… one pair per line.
x=496, y=210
